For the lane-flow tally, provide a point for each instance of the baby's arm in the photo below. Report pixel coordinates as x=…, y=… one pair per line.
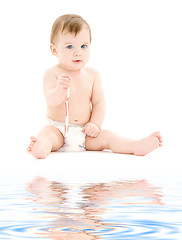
x=55, y=90
x=98, y=102
x=92, y=128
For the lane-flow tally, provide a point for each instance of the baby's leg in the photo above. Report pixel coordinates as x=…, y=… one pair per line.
x=49, y=139
x=109, y=140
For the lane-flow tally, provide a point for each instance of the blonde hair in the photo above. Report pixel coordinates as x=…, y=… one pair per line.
x=70, y=22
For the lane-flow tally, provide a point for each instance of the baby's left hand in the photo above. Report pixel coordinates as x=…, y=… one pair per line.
x=91, y=130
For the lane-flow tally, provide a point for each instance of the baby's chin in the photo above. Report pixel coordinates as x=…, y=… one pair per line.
x=73, y=65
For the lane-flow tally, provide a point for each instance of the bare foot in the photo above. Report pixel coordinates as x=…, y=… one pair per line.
x=38, y=148
x=148, y=144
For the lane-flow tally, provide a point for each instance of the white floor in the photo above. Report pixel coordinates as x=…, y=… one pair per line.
x=87, y=167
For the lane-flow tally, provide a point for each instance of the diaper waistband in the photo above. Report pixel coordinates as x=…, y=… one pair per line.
x=61, y=124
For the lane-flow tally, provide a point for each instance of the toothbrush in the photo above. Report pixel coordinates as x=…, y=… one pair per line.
x=67, y=113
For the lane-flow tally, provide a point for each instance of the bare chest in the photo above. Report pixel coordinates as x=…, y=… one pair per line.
x=80, y=90
x=79, y=102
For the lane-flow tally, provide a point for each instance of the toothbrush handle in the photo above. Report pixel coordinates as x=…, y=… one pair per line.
x=67, y=117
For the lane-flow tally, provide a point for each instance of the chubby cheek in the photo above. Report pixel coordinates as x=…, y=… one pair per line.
x=64, y=57
x=86, y=56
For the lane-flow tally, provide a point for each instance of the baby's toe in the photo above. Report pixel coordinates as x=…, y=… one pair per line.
x=28, y=149
x=34, y=139
x=156, y=134
x=31, y=144
x=160, y=139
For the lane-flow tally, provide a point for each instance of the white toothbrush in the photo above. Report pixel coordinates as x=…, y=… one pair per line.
x=67, y=113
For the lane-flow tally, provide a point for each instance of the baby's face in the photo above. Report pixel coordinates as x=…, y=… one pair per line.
x=73, y=51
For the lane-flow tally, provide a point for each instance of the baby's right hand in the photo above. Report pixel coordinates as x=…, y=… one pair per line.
x=63, y=83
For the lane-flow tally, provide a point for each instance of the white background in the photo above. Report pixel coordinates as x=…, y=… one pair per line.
x=136, y=47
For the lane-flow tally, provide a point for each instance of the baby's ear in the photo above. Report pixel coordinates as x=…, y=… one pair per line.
x=53, y=49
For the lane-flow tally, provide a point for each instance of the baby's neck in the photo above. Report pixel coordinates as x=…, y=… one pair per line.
x=72, y=73
x=75, y=74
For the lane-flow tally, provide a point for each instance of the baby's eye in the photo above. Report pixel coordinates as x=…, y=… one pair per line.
x=70, y=46
x=83, y=46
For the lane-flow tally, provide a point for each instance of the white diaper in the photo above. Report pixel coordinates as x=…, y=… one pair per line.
x=75, y=140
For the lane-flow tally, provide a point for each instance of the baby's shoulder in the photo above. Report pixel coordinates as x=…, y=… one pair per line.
x=50, y=71
x=92, y=72
x=50, y=75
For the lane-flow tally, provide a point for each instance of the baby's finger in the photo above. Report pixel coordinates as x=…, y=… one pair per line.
x=64, y=75
x=95, y=135
x=63, y=80
x=88, y=131
x=93, y=132
x=64, y=84
x=83, y=129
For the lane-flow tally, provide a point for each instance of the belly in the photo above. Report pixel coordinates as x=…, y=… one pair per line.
x=79, y=113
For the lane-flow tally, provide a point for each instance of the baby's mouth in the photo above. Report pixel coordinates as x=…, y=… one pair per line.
x=77, y=61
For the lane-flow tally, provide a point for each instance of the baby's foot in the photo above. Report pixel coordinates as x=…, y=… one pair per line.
x=37, y=148
x=148, y=144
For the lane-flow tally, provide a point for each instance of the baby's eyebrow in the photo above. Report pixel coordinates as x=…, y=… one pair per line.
x=67, y=43
x=70, y=43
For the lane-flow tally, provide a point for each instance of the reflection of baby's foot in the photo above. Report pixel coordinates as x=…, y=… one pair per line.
x=37, y=148
x=148, y=144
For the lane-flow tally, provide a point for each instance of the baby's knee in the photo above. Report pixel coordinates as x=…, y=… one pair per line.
x=106, y=133
x=108, y=136
x=52, y=131
x=48, y=129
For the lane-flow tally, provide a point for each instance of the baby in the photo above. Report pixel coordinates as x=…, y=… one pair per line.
x=70, y=43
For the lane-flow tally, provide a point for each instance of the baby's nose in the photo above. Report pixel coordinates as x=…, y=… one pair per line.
x=77, y=53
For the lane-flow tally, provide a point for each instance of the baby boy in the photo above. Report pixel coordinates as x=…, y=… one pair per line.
x=70, y=43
